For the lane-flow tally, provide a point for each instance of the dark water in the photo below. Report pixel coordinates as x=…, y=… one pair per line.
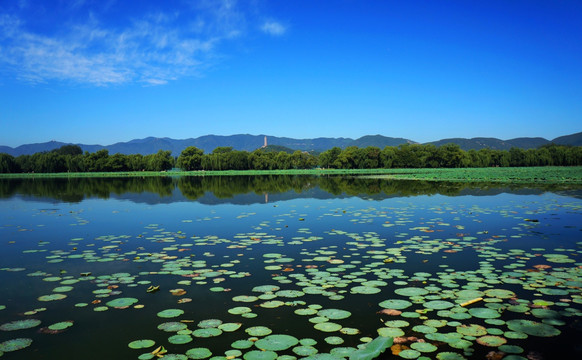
x=338, y=243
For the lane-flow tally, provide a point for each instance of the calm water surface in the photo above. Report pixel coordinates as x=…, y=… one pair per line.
x=275, y=254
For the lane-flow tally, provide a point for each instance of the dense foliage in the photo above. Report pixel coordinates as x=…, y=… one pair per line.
x=70, y=158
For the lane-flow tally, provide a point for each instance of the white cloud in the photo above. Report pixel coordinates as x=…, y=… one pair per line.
x=273, y=28
x=151, y=50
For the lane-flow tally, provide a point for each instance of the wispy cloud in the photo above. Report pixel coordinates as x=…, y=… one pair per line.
x=273, y=28
x=151, y=49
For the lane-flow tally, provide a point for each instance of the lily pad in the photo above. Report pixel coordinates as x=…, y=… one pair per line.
x=484, y=313
x=141, y=344
x=260, y=355
x=172, y=326
x=61, y=325
x=491, y=340
x=179, y=339
x=198, y=353
x=277, y=342
x=20, y=325
x=170, y=313
x=122, y=302
x=532, y=328
x=334, y=314
x=327, y=326
x=395, y=304
x=258, y=331
x=15, y=344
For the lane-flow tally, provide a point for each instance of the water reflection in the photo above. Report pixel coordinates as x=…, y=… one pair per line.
x=250, y=189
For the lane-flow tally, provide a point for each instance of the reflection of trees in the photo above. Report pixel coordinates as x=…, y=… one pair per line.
x=224, y=187
x=76, y=189
x=229, y=186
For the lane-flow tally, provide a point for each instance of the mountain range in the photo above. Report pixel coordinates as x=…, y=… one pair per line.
x=247, y=142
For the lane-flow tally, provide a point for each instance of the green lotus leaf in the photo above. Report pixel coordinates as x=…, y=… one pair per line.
x=450, y=356
x=491, y=340
x=206, y=333
x=170, y=313
x=15, y=344
x=500, y=293
x=409, y=354
x=258, y=331
x=304, y=350
x=276, y=342
x=260, y=355
x=242, y=344
x=411, y=291
x=289, y=293
x=372, y=349
x=239, y=310
x=198, y=353
x=122, y=302
x=172, y=326
x=209, y=323
x=334, y=314
x=141, y=344
x=272, y=304
x=395, y=304
x=61, y=325
x=484, y=313
x=327, y=327
x=396, y=323
x=63, y=289
x=366, y=290
x=390, y=332
x=52, y=297
x=334, y=340
x=423, y=347
x=532, y=328
x=266, y=288
x=179, y=339
x=20, y=325
x=438, y=305
x=229, y=327
x=472, y=330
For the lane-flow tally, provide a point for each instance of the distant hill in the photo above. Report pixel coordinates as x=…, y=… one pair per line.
x=574, y=139
x=248, y=142
x=379, y=141
x=493, y=143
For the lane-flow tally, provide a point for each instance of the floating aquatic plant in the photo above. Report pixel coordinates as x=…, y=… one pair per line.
x=141, y=344
x=20, y=325
x=15, y=344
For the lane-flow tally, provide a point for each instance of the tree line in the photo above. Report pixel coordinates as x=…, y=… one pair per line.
x=70, y=158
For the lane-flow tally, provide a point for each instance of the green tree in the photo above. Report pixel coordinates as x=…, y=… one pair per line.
x=328, y=158
x=190, y=159
x=451, y=156
x=8, y=164
x=69, y=150
x=160, y=161
x=387, y=156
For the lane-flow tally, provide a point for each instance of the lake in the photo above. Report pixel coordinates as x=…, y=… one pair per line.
x=286, y=267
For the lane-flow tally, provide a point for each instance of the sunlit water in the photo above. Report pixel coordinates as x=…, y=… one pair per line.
x=334, y=251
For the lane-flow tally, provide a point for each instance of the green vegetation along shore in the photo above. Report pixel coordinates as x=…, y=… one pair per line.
x=542, y=175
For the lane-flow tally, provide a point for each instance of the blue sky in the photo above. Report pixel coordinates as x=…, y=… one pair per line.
x=104, y=71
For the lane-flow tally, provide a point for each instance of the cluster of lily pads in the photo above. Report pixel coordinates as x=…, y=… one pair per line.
x=421, y=304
